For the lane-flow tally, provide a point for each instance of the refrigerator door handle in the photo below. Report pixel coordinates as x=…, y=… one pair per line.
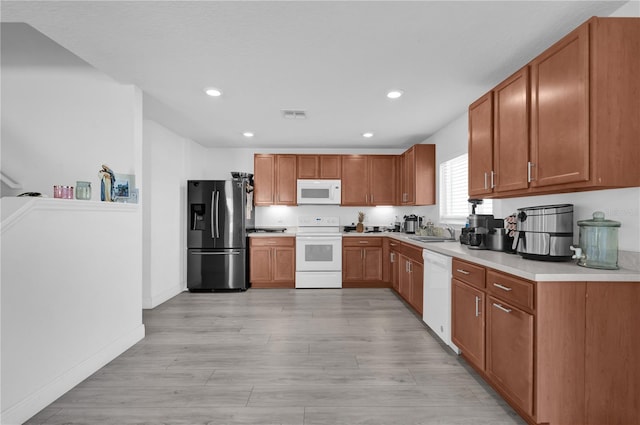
x=216, y=253
x=213, y=213
x=215, y=200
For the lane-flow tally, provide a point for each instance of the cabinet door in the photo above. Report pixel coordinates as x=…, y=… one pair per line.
x=612, y=370
x=393, y=270
x=404, y=278
x=417, y=285
x=264, y=167
x=511, y=137
x=260, y=264
x=284, y=264
x=308, y=166
x=510, y=351
x=424, y=178
x=330, y=167
x=409, y=177
x=352, y=259
x=354, y=180
x=481, y=145
x=382, y=179
x=372, y=264
x=286, y=180
x=467, y=327
x=560, y=111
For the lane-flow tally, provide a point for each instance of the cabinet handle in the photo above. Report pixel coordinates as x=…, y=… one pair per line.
x=271, y=242
x=530, y=165
x=506, y=310
x=504, y=288
x=492, y=179
x=364, y=251
x=363, y=242
x=366, y=198
x=485, y=181
x=406, y=266
x=462, y=271
x=275, y=255
x=362, y=254
x=392, y=257
x=410, y=266
x=393, y=244
x=477, y=306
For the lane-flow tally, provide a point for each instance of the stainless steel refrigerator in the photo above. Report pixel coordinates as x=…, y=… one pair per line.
x=220, y=212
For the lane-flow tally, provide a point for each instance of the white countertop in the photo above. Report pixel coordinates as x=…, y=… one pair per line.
x=539, y=271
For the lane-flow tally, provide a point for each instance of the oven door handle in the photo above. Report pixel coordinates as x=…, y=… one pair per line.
x=318, y=238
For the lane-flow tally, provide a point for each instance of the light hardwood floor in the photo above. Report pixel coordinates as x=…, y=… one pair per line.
x=294, y=357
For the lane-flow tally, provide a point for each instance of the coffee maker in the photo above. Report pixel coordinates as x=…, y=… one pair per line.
x=480, y=225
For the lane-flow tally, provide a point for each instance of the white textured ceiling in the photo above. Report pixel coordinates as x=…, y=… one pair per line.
x=335, y=60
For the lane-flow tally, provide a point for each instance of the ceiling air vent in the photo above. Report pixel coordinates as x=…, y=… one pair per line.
x=290, y=114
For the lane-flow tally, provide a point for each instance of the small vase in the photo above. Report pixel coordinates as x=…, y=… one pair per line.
x=360, y=227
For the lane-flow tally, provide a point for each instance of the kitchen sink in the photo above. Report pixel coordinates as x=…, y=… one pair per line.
x=431, y=239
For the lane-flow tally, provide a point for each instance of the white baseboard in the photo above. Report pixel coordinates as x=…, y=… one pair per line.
x=157, y=299
x=28, y=407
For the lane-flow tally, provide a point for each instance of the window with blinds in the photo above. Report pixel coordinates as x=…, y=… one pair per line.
x=454, y=205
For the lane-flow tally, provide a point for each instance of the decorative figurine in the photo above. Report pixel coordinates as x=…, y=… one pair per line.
x=107, y=183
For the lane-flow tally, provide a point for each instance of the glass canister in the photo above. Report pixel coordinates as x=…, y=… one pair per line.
x=83, y=190
x=598, y=243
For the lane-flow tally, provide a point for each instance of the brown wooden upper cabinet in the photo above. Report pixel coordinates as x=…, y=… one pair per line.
x=369, y=180
x=274, y=179
x=319, y=167
x=481, y=145
x=499, y=137
x=581, y=111
x=418, y=175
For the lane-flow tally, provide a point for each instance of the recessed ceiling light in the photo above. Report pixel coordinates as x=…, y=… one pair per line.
x=367, y=134
x=248, y=134
x=213, y=92
x=394, y=94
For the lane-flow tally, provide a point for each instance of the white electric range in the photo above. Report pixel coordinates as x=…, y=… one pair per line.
x=318, y=252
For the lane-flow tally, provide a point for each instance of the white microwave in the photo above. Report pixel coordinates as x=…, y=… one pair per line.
x=319, y=191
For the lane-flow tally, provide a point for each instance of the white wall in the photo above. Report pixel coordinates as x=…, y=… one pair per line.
x=629, y=9
x=61, y=120
x=169, y=161
x=70, y=296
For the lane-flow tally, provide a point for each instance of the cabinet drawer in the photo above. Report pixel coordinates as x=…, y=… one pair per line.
x=354, y=241
x=413, y=252
x=467, y=272
x=279, y=241
x=510, y=288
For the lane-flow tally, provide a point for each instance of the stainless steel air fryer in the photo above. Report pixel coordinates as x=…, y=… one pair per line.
x=544, y=232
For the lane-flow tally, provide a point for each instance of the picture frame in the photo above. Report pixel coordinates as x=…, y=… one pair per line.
x=124, y=186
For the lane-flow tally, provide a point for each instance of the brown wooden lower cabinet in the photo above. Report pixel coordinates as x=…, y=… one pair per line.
x=467, y=325
x=407, y=273
x=558, y=352
x=272, y=262
x=509, y=355
x=362, y=262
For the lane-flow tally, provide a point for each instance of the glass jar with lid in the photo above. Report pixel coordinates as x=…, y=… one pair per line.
x=598, y=243
x=83, y=190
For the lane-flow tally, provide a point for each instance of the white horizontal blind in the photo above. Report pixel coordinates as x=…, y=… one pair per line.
x=454, y=191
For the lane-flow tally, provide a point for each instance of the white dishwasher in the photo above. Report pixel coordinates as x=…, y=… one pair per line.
x=437, y=295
